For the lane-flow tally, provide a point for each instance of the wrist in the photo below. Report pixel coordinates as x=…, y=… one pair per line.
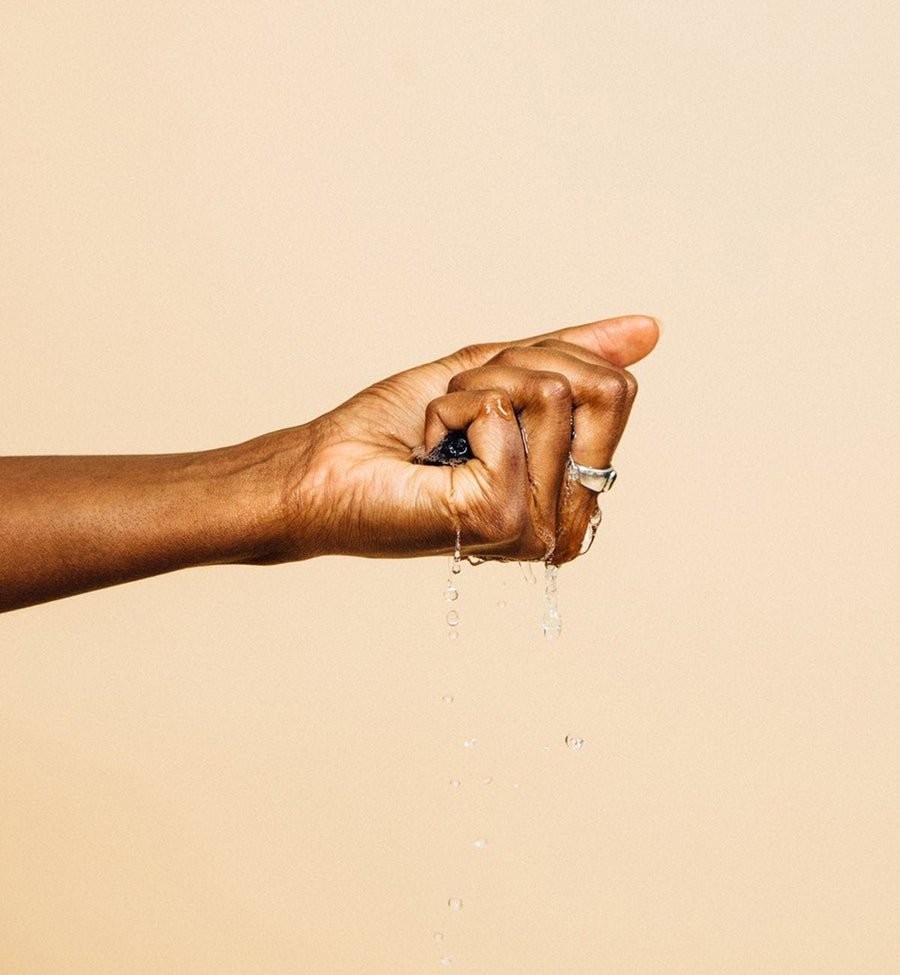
x=264, y=518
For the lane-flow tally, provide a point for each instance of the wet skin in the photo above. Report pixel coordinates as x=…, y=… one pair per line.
x=345, y=483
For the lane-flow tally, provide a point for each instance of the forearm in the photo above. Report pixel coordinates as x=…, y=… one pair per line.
x=73, y=524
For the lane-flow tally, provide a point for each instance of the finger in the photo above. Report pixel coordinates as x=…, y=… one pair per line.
x=543, y=404
x=628, y=390
x=487, y=415
x=621, y=341
x=602, y=395
x=490, y=496
x=576, y=351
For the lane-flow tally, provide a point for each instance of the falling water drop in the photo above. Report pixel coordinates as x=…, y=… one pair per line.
x=447, y=960
x=552, y=621
x=451, y=592
x=551, y=624
x=575, y=744
x=487, y=781
x=447, y=699
x=456, y=561
x=454, y=783
x=480, y=844
x=591, y=530
x=528, y=572
x=470, y=743
x=455, y=904
x=551, y=579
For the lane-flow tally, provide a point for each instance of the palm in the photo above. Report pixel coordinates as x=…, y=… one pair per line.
x=395, y=506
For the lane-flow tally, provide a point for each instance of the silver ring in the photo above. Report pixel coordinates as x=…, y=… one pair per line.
x=597, y=479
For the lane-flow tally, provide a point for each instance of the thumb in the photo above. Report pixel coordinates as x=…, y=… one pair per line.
x=622, y=341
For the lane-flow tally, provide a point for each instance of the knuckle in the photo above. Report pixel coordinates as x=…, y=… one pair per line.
x=497, y=400
x=613, y=390
x=462, y=380
x=552, y=387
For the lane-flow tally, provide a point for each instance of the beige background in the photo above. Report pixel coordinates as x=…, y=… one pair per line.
x=224, y=218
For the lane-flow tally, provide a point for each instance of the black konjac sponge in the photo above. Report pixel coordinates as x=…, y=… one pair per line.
x=452, y=451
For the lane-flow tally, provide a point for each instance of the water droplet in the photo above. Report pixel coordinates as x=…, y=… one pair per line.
x=438, y=936
x=469, y=742
x=551, y=627
x=447, y=960
x=455, y=565
x=447, y=699
x=480, y=844
x=454, y=783
x=575, y=744
x=591, y=531
x=453, y=635
x=552, y=621
x=451, y=593
x=501, y=604
x=515, y=785
x=528, y=572
x=487, y=781
x=455, y=904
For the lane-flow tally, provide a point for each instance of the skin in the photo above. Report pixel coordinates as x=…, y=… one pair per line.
x=345, y=483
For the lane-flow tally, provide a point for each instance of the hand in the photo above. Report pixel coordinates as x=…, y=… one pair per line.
x=350, y=485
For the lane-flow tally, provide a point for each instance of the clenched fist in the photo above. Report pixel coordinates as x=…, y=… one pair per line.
x=524, y=407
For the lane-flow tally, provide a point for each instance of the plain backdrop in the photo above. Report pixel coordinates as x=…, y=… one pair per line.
x=218, y=219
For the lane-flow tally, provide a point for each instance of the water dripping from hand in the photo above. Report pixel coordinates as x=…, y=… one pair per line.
x=552, y=620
